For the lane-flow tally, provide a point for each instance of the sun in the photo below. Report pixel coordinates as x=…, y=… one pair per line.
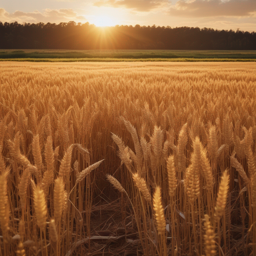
x=103, y=21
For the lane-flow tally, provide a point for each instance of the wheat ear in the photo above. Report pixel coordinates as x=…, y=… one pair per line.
x=40, y=207
x=212, y=144
x=157, y=142
x=59, y=198
x=4, y=202
x=2, y=131
x=37, y=152
x=159, y=211
x=15, y=153
x=192, y=183
x=123, y=152
x=142, y=186
x=172, y=180
x=196, y=156
x=209, y=237
x=135, y=139
x=49, y=154
x=206, y=169
x=116, y=184
x=86, y=171
x=2, y=163
x=118, y=142
x=20, y=250
x=47, y=181
x=182, y=142
x=222, y=196
x=240, y=169
x=22, y=228
x=65, y=163
x=23, y=187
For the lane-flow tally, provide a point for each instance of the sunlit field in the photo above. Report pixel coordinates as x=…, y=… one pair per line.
x=127, y=158
x=48, y=55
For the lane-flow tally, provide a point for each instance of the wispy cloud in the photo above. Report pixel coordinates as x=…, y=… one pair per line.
x=214, y=8
x=48, y=15
x=138, y=5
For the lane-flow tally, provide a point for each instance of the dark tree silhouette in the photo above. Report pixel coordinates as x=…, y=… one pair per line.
x=86, y=36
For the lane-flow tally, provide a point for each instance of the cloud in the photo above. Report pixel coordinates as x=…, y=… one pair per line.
x=138, y=5
x=48, y=15
x=208, y=8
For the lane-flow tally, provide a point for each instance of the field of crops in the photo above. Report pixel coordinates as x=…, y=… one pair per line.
x=48, y=55
x=127, y=159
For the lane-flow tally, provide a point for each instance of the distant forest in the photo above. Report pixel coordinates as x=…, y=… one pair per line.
x=77, y=36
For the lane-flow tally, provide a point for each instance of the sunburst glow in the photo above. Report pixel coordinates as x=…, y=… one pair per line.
x=104, y=21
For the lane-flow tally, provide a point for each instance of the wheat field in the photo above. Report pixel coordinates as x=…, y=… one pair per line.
x=127, y=159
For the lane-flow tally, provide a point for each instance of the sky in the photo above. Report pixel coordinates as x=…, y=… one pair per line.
x=217, y=14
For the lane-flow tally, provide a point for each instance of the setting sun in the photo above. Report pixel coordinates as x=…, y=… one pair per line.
x=103, y=21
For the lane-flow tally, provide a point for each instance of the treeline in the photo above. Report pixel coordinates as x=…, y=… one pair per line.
x=79, y=36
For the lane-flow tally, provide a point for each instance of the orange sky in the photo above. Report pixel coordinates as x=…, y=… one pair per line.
x=217, y=14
